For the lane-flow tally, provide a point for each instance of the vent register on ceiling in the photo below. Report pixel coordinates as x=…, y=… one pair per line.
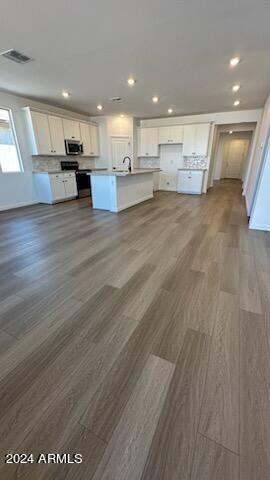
x=16, y=56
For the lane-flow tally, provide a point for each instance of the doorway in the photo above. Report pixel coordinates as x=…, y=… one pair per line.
x=235, y=151
x=120, y=148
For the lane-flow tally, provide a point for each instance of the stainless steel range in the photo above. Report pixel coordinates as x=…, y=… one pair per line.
x=82, y=179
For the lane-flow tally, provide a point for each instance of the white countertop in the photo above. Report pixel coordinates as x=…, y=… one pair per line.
x=50, y=172
x=193, y=168
x=126, y=173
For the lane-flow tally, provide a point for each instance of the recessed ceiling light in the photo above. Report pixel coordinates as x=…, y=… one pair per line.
x=230, y=132
x=155, y=99
x=131, y=81
x=99, y=107
x=65, y=94
x=122, y=115
x=235, y=88
x=236, y=103
x=234, y=61
x=170, y=110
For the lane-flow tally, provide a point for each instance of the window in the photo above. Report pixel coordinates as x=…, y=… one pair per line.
x=9, y=154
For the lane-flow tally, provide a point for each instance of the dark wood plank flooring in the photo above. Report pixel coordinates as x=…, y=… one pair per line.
x=140, y=340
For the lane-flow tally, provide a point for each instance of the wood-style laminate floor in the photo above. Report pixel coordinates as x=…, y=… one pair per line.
x=139, y=340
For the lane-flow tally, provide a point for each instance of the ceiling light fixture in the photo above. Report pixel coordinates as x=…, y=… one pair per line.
x=155, y=99
x=234, y=61
x=99, y=107
x=122, y=115
x=230, y=132
x=236, y=103
x=65, y=94
x=235, y=88
x=170, y=110
x=131, y=81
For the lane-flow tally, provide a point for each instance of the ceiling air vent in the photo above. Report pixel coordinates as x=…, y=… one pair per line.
x=16, y=56
x=116, y=99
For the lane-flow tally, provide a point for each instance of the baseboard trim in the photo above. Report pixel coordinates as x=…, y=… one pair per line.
x=254, y=226
x=17, y=205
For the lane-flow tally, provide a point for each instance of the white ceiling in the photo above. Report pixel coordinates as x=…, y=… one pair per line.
x=176, y=49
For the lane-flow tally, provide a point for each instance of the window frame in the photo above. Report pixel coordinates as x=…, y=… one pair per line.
x=16, y=143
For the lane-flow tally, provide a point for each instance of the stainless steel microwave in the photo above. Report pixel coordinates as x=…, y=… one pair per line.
x=73, y=147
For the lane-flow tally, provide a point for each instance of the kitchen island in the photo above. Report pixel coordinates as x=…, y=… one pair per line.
x=116, y=190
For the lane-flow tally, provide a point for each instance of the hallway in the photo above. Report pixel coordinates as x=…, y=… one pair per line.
x=140, y=340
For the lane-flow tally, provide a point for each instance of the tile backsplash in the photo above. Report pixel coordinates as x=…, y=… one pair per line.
x=47, y=164
x=195, y=162
x=149, y=162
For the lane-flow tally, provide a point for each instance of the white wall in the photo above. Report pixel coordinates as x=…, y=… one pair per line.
x=256, y=157
x=260, y=215
x=16, y=189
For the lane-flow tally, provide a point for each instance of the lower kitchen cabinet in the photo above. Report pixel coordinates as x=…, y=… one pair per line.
x=55, y=187
x=190, y=181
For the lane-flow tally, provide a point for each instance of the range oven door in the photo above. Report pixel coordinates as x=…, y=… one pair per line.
x=83, y=184
x=73, y=147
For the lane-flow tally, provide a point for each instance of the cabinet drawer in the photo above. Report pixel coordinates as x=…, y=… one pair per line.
x=68, y=175
x=56, y=175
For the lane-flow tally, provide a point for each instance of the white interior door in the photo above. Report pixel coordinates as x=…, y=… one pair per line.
x=121, y=147
x=235, y=152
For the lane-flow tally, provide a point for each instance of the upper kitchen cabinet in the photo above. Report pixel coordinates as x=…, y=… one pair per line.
x=94, y=152
x=57, y=135
x=85, y=138
x=71, y=129
x=172, y=134
x=195, y=141
x=89, y=139
x=41, y=139
x=148, y=142
x=46, y=133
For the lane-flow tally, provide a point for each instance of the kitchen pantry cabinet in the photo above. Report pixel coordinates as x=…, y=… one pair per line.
x=195, y=141
x=55, y=187
x=170, y=135
x=71, y=129
x=89, y=139
x=148, y=142
x=46, y=133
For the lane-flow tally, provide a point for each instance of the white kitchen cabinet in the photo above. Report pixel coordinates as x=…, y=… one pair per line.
x=94, y=152
x=41, y=138
x=172, y=134
x=45, y=133
x=57, y=135
x=85, y=139
x=55, y=187
x=70, y=185
x=190, y=181
x=71, y=129
x=195, y=140
x=148, y=142
x=89, y=139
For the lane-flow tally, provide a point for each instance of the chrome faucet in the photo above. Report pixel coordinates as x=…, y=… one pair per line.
x=129, y=162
